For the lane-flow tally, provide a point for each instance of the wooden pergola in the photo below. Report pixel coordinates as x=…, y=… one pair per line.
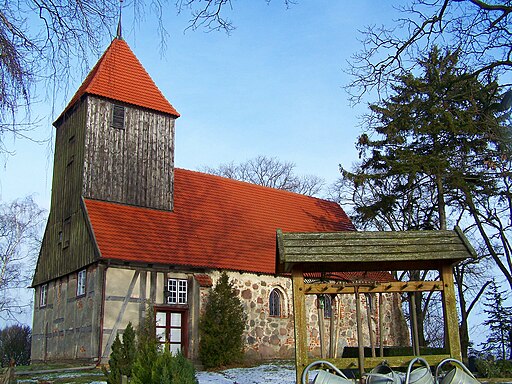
x=300, y=253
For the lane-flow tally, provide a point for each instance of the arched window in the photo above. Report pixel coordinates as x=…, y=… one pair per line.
x=275, y=303
x=327, y=306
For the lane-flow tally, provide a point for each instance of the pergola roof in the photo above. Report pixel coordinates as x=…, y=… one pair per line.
x=370, y=251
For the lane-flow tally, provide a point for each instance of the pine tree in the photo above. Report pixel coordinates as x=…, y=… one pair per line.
x=154, y=366
x=122, y=356
x=147, y=350
x=221, y=327
x=499, y=321
x=429, y=156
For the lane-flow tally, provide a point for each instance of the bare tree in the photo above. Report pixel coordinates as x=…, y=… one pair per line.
x=44, y=42
x=479, y=30
x=20, y=233
x=269, y=172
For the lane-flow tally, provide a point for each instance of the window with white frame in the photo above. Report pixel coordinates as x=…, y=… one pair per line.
x=43, y=295
x=80, y=283
x=177, y=291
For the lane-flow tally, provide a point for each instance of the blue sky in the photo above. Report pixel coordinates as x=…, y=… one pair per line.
x=272, y=87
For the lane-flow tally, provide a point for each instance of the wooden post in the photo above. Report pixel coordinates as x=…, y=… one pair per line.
x=300, y=324
x=360, y=341
x=370, y=328
x=450, y=312
x=321, y=324
x=381, y=321
x=332, y=341
x=414, y=325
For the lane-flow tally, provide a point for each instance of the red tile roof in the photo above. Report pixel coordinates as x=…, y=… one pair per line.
x=119, y=75
x=216, y=223
x=204, y=280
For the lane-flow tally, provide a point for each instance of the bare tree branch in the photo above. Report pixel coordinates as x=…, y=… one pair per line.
x=480, y=31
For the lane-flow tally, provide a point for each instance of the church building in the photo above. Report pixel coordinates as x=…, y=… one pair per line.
x=128, y=230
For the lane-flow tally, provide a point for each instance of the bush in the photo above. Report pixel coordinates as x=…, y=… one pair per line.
x=493, y=368
x=221, y=327
x=122, y=356
x=15, y=343
x=173, y=369
x=153, y=366
x=147, y=350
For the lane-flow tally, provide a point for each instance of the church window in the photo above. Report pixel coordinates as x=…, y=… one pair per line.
x=43, y=295
x=80, y=284
x=177, y=291
x=275, y=303
x=327, y=306
x=118, y=113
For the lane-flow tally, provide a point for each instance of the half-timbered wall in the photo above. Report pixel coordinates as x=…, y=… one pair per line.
x=133, y=164
x=128, y=291
x=67, y=326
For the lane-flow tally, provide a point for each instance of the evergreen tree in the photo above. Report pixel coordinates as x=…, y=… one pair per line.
x=430, y=150
x=499, y=321
x=221, y=327
x=147, y=350
x=15, y=341
x=154, y=366
x=122, y=356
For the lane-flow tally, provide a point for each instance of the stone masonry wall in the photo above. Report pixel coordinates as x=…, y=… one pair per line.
x=273, y=337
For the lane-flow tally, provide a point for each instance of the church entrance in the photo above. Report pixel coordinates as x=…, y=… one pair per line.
x=171, y=329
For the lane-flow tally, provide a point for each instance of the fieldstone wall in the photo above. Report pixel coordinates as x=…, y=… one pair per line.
x=273, y=337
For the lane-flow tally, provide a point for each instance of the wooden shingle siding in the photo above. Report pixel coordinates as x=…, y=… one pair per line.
x=66, y=244
x=133, y=165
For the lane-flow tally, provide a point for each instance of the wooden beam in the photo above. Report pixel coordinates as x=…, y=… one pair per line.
x=300, y=323
x=450, y=313
x=372, y=287
x=120, y=315
x=371, y=362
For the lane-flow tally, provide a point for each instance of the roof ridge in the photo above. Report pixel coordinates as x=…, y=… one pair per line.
x=277, y=190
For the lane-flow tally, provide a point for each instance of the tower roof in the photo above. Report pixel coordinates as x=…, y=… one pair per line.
x=119, y=75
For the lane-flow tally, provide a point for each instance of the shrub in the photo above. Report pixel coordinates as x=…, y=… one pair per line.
x=173, y=369
x=153, y=366
x=493, y=368
x=221, y=327
x=122, y=356
x=147, y=350
x=15, y=343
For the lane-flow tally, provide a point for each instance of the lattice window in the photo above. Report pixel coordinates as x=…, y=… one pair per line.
x=80, y=284
x=43, y=295
x=177, y=291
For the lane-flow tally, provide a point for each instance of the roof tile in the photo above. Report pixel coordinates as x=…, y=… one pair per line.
x=216, y=223
x=119, y=75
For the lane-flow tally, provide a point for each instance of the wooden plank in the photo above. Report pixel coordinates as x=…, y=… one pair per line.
x=300, y=323
x=367, y=235
x=371, y=242
x=395, y=286
x=466, y=242
x=358, y=249
x=450, y=313
x=392, y=361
